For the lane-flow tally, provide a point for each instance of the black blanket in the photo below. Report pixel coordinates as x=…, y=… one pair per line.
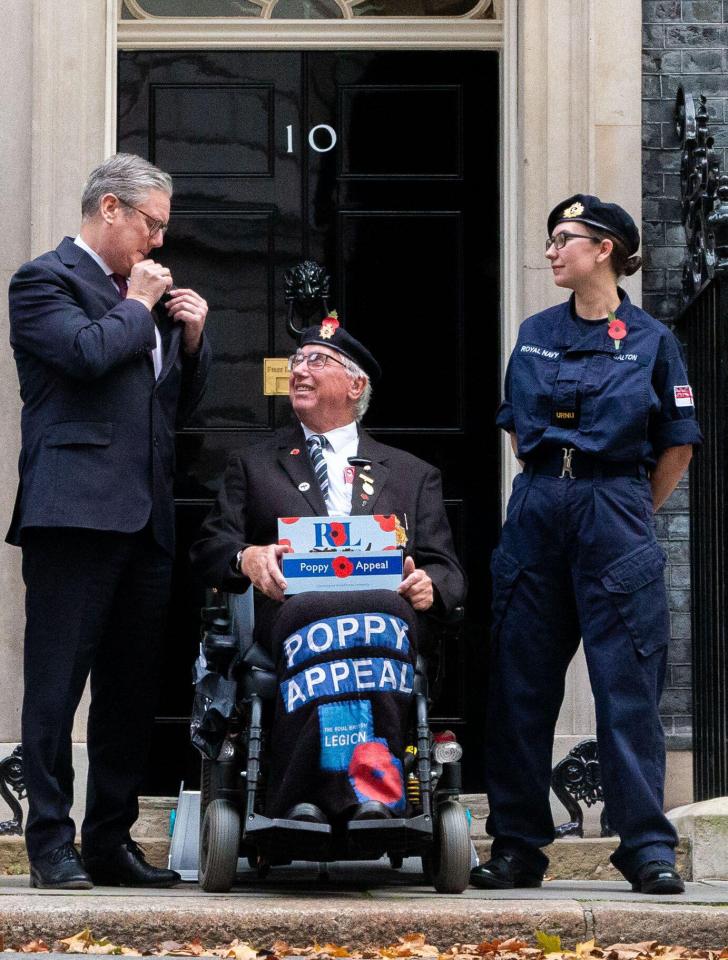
x=346, y=674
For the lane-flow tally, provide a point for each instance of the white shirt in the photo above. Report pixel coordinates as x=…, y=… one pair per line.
x=343, y=442
x=157, y=351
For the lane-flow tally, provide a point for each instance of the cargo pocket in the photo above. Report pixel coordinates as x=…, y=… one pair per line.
x=636, y=583
x=504, y=572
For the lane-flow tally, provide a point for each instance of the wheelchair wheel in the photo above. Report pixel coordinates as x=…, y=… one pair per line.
x=449, y=865
x=219, y=843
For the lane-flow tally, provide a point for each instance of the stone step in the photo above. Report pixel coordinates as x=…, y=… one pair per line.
x=14, y=859
x=154, y=817
x=588, y=858
x=570, y=859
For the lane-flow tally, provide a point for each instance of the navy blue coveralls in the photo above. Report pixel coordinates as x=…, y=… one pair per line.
x=579, y=558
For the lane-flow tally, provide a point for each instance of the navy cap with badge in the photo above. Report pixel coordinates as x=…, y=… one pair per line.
x=584, y=208
x=330, y=333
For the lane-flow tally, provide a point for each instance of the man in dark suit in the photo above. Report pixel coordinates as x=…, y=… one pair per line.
x=105, y=374
x=326, y=464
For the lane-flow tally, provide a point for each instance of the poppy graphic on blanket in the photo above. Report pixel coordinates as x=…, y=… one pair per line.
x=376, y=775
x=342, y=727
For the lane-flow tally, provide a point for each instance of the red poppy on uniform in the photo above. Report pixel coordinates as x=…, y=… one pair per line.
x=617, y=329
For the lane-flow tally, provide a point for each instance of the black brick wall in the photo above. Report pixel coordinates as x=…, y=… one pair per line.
x=683, y=41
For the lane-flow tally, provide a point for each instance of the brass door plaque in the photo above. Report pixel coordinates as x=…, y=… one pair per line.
x=275, y=377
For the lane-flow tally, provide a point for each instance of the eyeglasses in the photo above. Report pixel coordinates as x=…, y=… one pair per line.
x=559, y=240
x=315, y=361
x=155, y=226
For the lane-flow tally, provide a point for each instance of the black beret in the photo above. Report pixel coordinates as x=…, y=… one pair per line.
x=583, y=208
x=330, y=333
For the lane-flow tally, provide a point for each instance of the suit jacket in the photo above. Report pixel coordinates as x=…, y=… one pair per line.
x=263, y=481
x=97, y=428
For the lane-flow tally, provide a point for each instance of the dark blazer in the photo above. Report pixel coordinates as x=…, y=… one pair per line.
x=97, y=428
x=262, y=483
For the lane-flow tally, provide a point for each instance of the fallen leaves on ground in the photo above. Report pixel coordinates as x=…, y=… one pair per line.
x=413, y=945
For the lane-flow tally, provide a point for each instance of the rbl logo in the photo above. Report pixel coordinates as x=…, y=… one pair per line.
x=333, y=534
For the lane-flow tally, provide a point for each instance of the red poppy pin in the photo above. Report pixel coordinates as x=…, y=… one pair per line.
x=617, y=330
x=295, y=452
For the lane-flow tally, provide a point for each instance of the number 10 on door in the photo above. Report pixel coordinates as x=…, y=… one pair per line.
x=325, y=141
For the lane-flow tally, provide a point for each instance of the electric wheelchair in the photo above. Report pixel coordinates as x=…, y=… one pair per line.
x=236, y=687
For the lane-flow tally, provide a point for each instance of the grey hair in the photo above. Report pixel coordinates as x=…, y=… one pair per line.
x=127, y=176
x=355, y=372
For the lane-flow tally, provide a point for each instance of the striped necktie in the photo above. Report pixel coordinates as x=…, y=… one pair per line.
x=316, y=443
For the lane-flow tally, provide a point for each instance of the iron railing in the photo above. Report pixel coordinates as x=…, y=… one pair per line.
x=703, y=325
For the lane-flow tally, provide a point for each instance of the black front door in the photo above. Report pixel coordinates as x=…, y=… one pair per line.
x=383, y=167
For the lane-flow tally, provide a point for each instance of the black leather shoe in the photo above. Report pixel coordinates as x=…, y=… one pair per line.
x=504, y=872
x=60, y=869
x=371, y=810
x=125, y=866
x=658, y=876
x=306, y=813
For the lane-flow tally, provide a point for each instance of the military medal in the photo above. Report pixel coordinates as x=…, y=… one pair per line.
x=617, y=330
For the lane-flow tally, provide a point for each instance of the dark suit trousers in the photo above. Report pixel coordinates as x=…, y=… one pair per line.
x=96, y=602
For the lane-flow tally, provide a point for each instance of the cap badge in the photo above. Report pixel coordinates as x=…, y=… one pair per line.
x=617, y=330
x=575, y=210
x=329, y=325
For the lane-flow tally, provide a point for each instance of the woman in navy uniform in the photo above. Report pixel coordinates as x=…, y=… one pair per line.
x=601, y=415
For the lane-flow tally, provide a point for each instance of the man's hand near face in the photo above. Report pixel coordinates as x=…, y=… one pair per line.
x=188, y=308
x=262, y=566
x=148, y=281
x=416, y=586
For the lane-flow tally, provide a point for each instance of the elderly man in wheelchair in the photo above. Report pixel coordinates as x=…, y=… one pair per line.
x=313, y=720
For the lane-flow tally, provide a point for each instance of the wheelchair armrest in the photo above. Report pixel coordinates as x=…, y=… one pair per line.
x=242, y=617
